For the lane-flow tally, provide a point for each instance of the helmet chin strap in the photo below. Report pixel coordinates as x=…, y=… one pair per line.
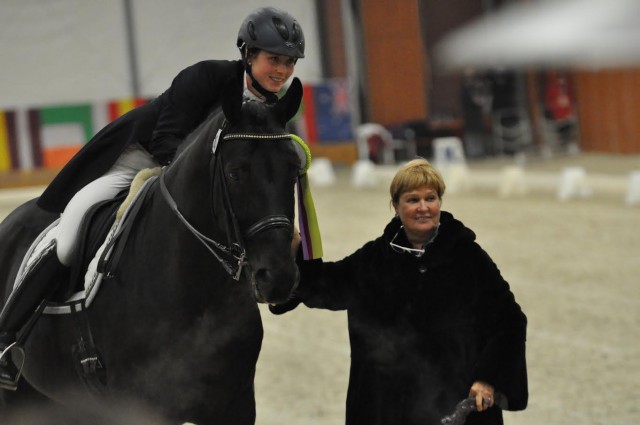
x=269, y=97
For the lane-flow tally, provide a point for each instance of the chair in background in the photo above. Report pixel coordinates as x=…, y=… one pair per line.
x=449, y=158
x=560, y=134
x=448, y=151
x=376, y=143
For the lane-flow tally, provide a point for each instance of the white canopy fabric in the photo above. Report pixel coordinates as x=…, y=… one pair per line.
x=585, y=34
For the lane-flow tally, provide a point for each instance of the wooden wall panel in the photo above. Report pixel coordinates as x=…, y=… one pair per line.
x=395, y=60
x=437, y=19
x=609, y=110
x=332, y=38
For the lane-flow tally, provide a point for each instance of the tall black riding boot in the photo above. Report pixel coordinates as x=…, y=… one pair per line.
x=39, y=283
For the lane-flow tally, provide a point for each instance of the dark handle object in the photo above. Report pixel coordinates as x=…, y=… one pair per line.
x=286, y=306
x=468, y=405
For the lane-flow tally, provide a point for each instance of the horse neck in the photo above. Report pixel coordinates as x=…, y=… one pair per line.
x=189, y=181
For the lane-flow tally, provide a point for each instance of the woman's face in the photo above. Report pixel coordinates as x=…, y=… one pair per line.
x=271, y=70
x=419, y=211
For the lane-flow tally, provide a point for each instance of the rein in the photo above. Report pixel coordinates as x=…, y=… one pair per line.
x=234, y=250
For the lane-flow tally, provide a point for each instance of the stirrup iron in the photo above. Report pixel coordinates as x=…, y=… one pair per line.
x=12, y=385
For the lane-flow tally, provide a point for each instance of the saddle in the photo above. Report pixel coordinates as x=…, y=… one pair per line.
x=101, y=238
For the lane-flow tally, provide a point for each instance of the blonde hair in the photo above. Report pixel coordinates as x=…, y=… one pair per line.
x=415, y=174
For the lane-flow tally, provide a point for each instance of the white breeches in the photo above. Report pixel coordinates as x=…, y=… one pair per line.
x=119, y=177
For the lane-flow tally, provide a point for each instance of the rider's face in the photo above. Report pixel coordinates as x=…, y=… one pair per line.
x=271, y=70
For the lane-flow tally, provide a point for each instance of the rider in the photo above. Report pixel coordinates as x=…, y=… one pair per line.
x=270, y=43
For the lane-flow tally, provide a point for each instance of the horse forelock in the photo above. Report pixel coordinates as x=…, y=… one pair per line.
x=257, y=117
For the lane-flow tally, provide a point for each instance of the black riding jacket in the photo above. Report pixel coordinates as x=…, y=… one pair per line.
x=159, y=126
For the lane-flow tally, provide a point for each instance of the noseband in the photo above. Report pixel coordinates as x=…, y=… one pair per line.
x=266, y=224
x=234, y=250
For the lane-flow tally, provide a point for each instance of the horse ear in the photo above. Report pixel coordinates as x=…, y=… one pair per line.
x=289, y=104
x=232, y=99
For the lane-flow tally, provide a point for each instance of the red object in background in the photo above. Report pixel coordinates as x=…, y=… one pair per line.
x=376, y=145
x=558, y=99
x=309, y=115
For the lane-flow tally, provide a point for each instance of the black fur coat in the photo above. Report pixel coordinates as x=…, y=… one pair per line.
x=422, y=330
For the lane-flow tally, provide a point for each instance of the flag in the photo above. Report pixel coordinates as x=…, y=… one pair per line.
x=326, y=112
x=8, y=141
x=58, y=132
x=117, y=108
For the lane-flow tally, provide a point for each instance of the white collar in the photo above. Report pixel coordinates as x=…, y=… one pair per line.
x=248, y=94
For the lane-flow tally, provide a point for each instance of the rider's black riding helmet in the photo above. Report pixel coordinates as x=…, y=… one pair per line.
x=273, y=30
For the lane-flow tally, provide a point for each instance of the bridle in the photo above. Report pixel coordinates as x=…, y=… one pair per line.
x=232, y=256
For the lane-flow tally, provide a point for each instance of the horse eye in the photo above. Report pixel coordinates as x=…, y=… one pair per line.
x=233, y=175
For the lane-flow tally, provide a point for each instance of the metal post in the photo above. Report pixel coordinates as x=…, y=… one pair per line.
x=355, y=56
x=131, y=48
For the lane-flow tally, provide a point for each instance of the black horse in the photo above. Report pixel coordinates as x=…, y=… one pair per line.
x=176, y=324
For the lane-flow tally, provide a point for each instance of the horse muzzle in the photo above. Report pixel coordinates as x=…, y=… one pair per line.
x=273, y=272
x=272, y=290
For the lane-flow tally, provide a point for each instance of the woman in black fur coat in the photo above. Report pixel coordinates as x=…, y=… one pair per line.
x=431, y=320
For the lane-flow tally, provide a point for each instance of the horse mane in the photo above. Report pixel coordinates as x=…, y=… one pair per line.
x=206, y=129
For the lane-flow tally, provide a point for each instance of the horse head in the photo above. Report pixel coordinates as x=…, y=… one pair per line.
x=257, y=165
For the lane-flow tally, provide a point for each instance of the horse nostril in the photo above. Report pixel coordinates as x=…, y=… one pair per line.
x=262, y=275
x=272, y=284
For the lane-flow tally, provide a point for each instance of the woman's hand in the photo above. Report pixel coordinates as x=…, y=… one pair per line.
x=484, y=394
x=295, y=242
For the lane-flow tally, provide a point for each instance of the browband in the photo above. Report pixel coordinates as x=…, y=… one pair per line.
x=305, y=155
x=232, y=136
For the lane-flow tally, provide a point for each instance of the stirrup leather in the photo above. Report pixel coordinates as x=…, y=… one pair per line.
x=12, y=385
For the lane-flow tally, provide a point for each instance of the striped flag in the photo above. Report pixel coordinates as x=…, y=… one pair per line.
x=8, y=141
x=117, y=108
x=47, y=137
x=58, y=132
x=326, y=112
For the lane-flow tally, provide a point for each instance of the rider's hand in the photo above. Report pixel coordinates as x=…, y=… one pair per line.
x=484, y=394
